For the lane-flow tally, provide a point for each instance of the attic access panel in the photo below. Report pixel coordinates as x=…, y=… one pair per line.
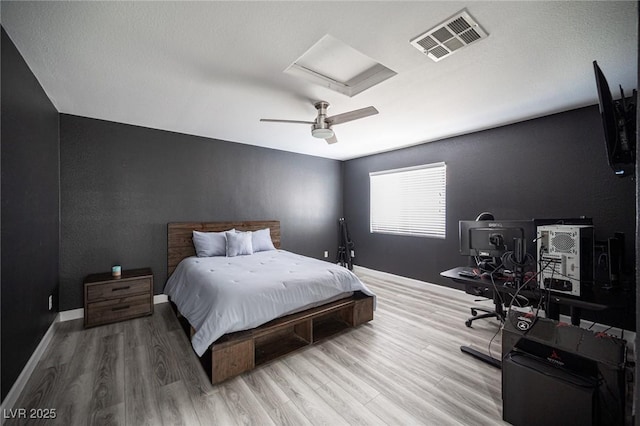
x=449, y=36
x=334, y=64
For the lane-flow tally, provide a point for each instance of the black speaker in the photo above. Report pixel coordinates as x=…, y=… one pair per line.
x=539, y=392
x=554, y=373
x=609, y=258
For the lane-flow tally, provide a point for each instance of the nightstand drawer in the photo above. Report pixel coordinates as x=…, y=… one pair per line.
x=118, y=309
x=117, y=289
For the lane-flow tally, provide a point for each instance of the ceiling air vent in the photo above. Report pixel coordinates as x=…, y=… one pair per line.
x=449, y=36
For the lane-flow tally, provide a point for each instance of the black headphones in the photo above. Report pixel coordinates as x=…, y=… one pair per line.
x=485, y=216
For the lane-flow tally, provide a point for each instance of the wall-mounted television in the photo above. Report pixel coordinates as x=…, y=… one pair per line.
x=619, y=124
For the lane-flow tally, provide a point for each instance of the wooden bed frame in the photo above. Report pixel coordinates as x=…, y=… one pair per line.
x=236, y=353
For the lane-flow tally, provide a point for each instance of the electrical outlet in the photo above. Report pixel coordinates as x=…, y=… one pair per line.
x=326, y=254
x=50, y=302
x=353, y=253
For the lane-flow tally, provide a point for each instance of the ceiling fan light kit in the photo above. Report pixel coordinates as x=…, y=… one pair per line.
x=321, y=133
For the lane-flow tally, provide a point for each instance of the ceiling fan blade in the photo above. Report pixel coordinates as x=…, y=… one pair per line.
x=332, y=139
x=352, y=115
x=270, y=120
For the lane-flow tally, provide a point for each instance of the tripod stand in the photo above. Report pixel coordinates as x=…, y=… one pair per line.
x=346, y=245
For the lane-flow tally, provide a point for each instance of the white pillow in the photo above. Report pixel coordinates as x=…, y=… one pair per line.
x=239, y=243
x=209, y=244
x=261, y=240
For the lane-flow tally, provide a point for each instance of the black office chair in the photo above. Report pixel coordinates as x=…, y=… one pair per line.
x=498, y=310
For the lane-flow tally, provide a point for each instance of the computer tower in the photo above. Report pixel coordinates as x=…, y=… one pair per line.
x=565, y=258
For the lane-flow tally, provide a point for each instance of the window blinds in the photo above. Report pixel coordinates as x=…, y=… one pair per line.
x=409, y=201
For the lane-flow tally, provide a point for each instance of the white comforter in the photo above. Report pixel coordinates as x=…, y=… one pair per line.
x=220, y=295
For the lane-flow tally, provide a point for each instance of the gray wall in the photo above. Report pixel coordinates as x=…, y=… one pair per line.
x=30, y=212
x=122, y=184
x=550, y=167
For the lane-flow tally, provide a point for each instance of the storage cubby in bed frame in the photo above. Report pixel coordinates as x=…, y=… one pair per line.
x=236, y=353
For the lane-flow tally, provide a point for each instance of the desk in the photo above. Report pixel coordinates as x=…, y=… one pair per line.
x=484, y=287
x=595, y=301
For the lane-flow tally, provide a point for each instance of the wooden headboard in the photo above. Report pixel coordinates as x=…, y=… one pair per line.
x=180, y=242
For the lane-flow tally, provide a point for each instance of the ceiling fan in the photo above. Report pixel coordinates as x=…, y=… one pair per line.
x=322, y=126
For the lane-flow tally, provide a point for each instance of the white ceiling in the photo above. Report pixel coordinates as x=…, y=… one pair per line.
x=214, y=69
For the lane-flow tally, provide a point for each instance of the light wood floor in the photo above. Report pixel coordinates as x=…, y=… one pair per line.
x=405, y=367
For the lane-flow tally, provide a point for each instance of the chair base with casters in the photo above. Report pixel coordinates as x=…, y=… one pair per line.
x=498, y=312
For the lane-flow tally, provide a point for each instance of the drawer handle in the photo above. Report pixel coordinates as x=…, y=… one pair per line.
x=121, y=288
x=120, y=308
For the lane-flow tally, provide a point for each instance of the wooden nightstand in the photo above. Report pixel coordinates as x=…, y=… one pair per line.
x=108, y=299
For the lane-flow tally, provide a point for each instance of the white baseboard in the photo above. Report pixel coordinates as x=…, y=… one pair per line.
x=74, y=314
x=160, y=298
x=28, y=369
x=15, y=391
x=400, y=278
x=627, y=335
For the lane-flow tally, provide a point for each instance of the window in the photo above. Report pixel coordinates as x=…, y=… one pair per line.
x=409, y=201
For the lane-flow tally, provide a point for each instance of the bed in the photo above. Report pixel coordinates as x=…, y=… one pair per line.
x=247, y=310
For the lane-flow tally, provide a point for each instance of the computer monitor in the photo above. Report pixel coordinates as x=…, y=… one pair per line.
x=494, y=238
